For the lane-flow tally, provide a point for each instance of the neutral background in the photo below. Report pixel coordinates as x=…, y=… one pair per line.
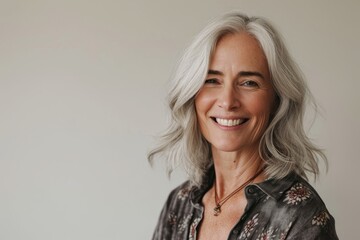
x=82, y=95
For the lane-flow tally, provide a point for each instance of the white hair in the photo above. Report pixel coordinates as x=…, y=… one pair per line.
x=284, y=147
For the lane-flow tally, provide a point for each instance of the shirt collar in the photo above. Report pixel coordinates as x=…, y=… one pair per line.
x=272, y=187
x=198, y=192
x=275, y=188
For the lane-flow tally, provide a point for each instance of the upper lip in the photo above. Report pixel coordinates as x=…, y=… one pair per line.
x=229, y=118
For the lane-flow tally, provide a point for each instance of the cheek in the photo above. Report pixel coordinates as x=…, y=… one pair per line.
x=203, y=103
x=257, y=105
x=261, y=107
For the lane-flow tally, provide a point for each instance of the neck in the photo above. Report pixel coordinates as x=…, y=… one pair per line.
x=234, y=168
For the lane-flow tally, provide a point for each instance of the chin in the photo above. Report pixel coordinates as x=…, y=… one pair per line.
x=229, y=147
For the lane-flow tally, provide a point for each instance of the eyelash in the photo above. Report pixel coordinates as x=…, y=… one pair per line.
x=211, y=81
x=250, y=83
x=247, y=83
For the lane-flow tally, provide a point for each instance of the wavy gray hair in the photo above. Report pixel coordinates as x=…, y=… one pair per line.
x=284, y=146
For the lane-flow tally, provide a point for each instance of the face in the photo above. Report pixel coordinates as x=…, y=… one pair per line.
x=234, y=105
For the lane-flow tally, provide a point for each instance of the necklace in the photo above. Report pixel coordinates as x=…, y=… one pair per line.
x=219, y=203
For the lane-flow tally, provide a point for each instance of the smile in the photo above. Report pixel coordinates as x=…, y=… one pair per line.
x=229, y=122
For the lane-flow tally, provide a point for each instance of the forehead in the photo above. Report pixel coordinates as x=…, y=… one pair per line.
x=241, y=48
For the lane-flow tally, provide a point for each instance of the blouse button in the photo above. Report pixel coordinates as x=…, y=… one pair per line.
x=251, y=190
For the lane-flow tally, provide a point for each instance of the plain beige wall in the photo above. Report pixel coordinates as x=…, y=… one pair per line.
x=82, y=88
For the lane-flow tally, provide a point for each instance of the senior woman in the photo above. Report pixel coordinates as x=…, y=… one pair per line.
x=237, y=102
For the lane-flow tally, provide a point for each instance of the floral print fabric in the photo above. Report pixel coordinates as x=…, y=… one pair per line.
x=277, y=209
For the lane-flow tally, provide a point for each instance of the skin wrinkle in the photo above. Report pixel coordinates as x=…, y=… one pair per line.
x=231, y=65
x=238, y=86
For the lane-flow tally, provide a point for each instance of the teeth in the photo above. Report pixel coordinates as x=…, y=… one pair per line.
x=229, y=123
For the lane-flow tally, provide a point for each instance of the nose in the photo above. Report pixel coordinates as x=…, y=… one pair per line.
x=228, y=99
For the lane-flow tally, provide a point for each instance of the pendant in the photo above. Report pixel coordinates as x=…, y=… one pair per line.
x=217, y=210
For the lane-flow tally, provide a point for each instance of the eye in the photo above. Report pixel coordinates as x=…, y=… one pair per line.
x=211, y=81
x=250, y=83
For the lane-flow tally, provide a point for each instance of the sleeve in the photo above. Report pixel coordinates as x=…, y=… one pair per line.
x=320, y=226
x=174, y=215
x=162, y=229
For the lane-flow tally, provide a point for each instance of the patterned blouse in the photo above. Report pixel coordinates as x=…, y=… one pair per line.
x=277, y=209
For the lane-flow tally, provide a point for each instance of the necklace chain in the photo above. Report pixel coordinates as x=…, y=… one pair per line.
x=219, y=203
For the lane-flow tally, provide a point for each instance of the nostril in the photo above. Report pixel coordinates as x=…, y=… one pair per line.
x=229, y=105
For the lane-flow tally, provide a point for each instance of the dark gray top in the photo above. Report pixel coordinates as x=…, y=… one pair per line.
x=289, y=208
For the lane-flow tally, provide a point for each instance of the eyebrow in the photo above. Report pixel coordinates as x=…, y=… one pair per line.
x=240, y=74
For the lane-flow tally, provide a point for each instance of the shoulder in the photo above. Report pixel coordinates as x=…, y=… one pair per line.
x=314, y=218
x=178, y=201
x=180, y=193
x=293, y=207
x=176, y=213
x=301, y=193
x=293, y=192
x=306, y=211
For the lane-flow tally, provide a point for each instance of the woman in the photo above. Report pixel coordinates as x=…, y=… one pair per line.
x=237, y=103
